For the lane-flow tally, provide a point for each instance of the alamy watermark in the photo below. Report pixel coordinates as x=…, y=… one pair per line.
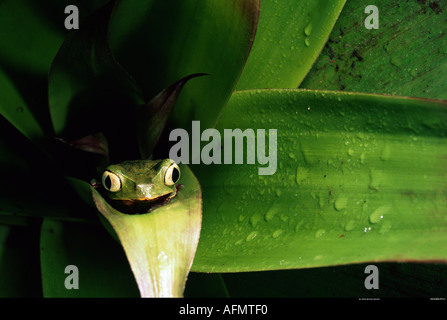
x=372, y=280
x=211, y=153
x=372, y=20
x=72, y=280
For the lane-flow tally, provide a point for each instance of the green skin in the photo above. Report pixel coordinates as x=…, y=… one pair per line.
x=142, y=181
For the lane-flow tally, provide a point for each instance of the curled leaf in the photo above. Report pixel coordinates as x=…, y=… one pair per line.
x=160, y=245
x=152, y=117
x=88, y=90
x=159, y=42
x=94, y=143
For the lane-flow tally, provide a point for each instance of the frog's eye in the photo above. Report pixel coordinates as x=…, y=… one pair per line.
x=172, y=174
x=111, y=181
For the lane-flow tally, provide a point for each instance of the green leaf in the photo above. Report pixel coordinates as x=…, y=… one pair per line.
x=88, y=91
x=101, y=264
x=29, y=39
x=290, y=36
x=359, y=178
x=160, y=245
x=160, y=42
x=407, y=55
x=152, y=117
x=31, y=34
x=16, y=111
x=28, y=43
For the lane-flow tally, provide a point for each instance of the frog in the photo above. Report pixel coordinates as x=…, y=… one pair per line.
x=139, y=186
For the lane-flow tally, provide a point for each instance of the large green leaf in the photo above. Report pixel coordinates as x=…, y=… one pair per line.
x=359, y=178
x=160, y=42
x=151, y=118
x=160, y=245
x=16, y=111
x=31, y=34
x=407, y=55
x=289, y=38
x=101, y=264
x=30, y=42
x=88, y=91
x=29, y=38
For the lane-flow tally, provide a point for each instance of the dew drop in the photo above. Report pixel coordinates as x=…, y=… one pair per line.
x=308, y=29
x=301, y=174
x=255, y=219
x=414, y=72
x=362, y=158
x=251, y=236
x=162, y=256
x=367, y=229
x=340, y=203
x=396, y=61
x=277, y=233
x=299, y=225
x=307, y=42
x=271, y=213
x=319, y=233
x=378, y=214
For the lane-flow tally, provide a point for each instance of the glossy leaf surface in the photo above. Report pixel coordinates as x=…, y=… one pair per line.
x=405, y=56
x=88, y=91
x=160, y=42
x=15, y=110
x=290, y=36
x=359, y=178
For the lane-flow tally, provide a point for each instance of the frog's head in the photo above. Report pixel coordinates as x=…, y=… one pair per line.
x=146, y=181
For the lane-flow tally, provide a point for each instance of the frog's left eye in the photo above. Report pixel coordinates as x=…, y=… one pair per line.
x=111, y=181
x=172, y=174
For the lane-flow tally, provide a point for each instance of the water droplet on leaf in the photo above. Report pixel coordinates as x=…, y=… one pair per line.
x=301, y=174
x=377, y=215
x=340, y=203
x=319, y=233
x=308, y=29
x=277, y=233
x=307, y=42
x=251, y=236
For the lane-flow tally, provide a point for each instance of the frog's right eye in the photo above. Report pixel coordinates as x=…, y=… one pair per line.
x=111, y=181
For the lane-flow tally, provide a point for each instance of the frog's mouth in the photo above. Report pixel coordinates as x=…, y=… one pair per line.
x=143, y=205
